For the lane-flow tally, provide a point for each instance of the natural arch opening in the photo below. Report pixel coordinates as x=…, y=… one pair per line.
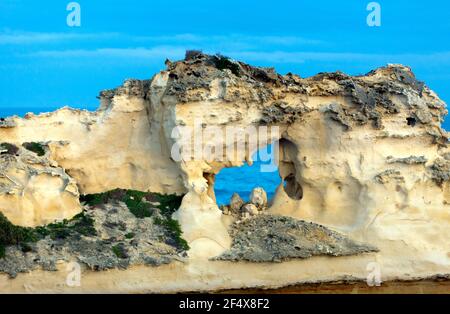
x=244, y=179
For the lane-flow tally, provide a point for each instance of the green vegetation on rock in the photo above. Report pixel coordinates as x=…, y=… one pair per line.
x=144, y=204
x=11, y=234
x=174, y=229
x=35, y=148
x=11, y=149
x=140, y=204
x=119, y=250
x=80, y=224
x=133, y=199
x=222, y=63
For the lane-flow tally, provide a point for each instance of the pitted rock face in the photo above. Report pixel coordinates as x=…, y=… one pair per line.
x=131, y=87
x=372, y=95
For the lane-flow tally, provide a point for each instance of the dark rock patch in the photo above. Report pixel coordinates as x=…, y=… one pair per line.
x=268, y=238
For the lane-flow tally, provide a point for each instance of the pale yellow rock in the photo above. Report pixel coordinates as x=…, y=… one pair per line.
x=34, y=191
x=258, y=197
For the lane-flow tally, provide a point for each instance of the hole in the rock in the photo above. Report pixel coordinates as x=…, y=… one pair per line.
x=288, y=169
x=292, y=188
x=210, y=178
x=411, y=121
x=243, y=179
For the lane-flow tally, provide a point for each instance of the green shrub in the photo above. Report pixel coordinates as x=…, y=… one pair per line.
x=138, y=204
x=120, y=251
x=57, y=230
x=133, y=199
x=174, y=230
x=10, y=234
x=13, y=235
x=168, y=205
x=83, y=224
x=192, y=54
x=35, y=148
x=16, y=235
x=95, y=199
x=25, y=247
x=79, y=224
x=11, y=149
x=222, y=62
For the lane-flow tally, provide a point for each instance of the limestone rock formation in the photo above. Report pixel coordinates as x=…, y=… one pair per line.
x=363, y=155
x=34, y=190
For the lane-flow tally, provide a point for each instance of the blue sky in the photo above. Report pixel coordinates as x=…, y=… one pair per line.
x=46, y=64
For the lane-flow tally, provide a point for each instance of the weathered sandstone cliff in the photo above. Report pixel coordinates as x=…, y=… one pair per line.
x=362, y=155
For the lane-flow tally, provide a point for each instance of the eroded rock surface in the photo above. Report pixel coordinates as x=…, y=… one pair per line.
x=268, y=238
x=111, y=237
x=35, y=190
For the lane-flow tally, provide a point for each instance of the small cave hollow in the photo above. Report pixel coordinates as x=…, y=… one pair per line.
x=288, y=169
x=292, y=188
x=210, y=178
x=411, y=121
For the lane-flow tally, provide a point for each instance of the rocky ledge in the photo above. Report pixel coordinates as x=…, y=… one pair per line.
x=269, y=238
x=115, y=230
